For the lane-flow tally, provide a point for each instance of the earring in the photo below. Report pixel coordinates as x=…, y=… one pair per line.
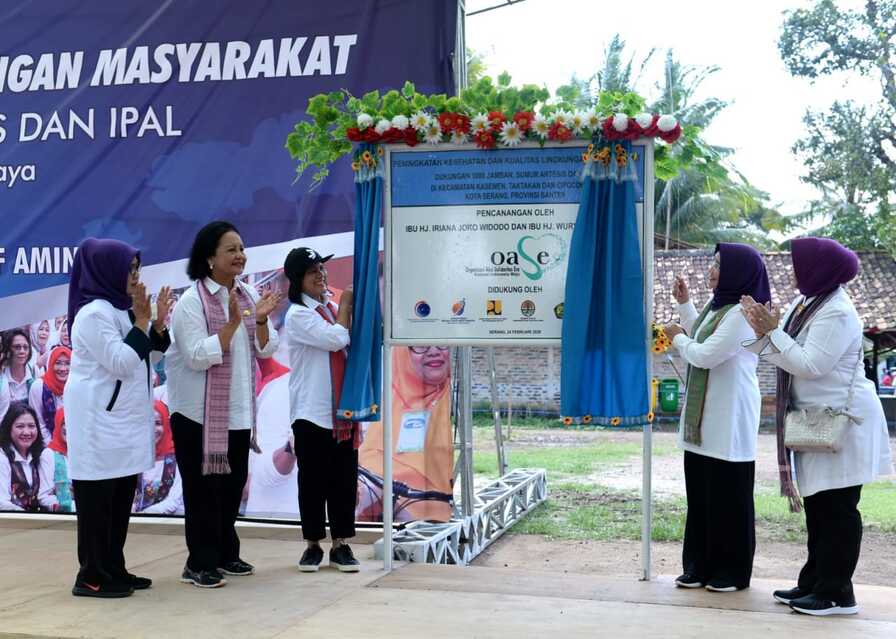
x=211, y=266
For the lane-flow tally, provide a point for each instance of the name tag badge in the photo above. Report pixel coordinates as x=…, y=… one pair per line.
x=412, y=437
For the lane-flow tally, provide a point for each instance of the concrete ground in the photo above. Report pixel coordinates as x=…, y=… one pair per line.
x=414, y=600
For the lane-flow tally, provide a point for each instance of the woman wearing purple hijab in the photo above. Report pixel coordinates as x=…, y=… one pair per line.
x=720, y=422
x=818, y=350
x=108, y=406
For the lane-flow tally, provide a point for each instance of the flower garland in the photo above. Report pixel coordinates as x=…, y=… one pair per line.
x=488, y=130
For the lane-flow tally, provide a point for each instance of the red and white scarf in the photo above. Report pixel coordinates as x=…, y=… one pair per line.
x=215, y=432
x=343, y=429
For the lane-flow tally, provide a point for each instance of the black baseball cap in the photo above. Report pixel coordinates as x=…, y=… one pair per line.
x=297, y=263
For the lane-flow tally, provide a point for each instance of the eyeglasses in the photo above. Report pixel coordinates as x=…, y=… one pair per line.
x=419, y=350
x=20, y=347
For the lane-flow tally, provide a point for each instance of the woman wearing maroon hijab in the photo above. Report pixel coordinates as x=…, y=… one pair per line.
x=719, y=422
x=818, y=350
x=108, y=406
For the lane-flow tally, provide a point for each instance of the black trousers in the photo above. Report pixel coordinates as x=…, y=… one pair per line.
x=104, y=509
x=211, y=502
x=720, y=533
x=328, y=482
x=835, y=540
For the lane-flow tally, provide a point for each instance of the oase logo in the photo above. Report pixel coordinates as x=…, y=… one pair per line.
x=534, y=255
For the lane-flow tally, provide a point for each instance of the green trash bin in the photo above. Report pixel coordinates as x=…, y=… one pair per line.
x=669, y=395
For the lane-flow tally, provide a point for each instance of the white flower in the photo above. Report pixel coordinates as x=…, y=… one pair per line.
x=511, y=134
x=420, y=121
x=400, y=122
x=541, y=126
x=382, y=126
x=644, y=120
x=479, y=122
x=592, y=121
x=666, y=123
x=458, y=138
x=620, y=122
x=578, y=121
x=562, y=117
x=364, y=120
x=433, y=132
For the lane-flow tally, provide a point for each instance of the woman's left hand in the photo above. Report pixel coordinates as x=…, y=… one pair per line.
x=266, y=305
x=163, y=307
x=672, y=330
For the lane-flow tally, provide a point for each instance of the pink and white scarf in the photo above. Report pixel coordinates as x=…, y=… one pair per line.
x=215, y=432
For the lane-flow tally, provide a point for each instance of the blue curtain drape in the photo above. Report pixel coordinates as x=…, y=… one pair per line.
x=362, y=386
x=603, y=378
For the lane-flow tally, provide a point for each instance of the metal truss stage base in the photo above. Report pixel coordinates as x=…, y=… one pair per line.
x=497, y=507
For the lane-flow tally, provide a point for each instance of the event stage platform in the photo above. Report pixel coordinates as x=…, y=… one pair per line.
x=414, y=601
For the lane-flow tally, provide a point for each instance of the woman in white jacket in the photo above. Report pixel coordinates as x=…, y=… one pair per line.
x=108, y=407
x=719, y=423
x=819, y=353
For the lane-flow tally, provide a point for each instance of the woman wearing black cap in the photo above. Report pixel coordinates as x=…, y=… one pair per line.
x=326, y=446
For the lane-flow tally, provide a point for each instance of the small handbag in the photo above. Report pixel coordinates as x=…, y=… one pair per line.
x=821, y=429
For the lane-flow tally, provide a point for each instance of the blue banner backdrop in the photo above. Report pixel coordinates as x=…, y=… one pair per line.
x=143, y=121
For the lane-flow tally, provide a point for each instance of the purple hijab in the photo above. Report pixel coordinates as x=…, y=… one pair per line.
x=741, y=272
x=100, y=271
x=821, y=265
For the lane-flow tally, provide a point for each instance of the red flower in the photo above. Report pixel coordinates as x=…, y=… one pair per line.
x=462, y=123
x=370, y=135
x=353, y=134
x=484, y=139
x=559, y=132
x=410, y=136
x=524, y=120
x=671, y=136
x=448, y=121
x=496, y=119
x=609, y=132
x=393, y=135
x=652, y=130
x=633, y=131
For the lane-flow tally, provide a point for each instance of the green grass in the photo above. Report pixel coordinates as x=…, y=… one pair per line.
x=581, y=460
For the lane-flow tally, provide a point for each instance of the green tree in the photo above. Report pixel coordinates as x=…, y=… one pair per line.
x=850, y=150
x=476, y=66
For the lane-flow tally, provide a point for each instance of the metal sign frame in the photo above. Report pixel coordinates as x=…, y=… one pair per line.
x=646, y=236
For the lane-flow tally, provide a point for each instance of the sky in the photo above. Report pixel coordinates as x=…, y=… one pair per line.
x=545, y=42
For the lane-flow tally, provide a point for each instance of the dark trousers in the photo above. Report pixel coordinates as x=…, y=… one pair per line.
x=720, y=534
x=835, y=539
x=211, y=502
x=328, y=482
x=104, y=508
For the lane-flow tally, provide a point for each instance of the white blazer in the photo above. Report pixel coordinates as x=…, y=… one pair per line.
x=732, y=406
x=823, y=359
x=108, y=397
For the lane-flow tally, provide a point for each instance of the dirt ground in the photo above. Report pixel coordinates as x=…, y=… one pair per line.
x=774, y=559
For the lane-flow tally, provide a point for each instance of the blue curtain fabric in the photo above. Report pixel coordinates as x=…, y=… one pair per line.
x=362, y=386
x=603, y=378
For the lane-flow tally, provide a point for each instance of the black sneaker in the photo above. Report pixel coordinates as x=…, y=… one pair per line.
x=202, y=578
x=720, y=585
x=138, y=583
x=238, y=568
x=311, y=558
x=102, y=590
x=816, y=606
x=688, y=580
x=342, y=558
x=786, y=596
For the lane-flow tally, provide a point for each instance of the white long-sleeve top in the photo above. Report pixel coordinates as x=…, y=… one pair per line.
x=823, y=359
x=311, y=340
x=45, y=495
x=733, y=402
x=36, y=400
x=193, y=351
x=18, y=391
x=108, y=399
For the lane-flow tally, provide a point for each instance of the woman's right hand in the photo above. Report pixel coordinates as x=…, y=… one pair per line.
x=680, y=290
x=234, y=316
x=347, y=298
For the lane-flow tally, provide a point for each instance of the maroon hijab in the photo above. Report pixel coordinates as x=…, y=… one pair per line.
x=821, y=265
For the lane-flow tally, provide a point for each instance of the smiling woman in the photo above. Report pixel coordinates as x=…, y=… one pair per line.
x=26, y=471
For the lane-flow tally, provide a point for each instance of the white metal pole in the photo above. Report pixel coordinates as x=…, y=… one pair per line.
x=647, y=239
x=387, y=457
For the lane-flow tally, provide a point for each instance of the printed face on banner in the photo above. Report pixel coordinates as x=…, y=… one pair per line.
x=480, y=240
